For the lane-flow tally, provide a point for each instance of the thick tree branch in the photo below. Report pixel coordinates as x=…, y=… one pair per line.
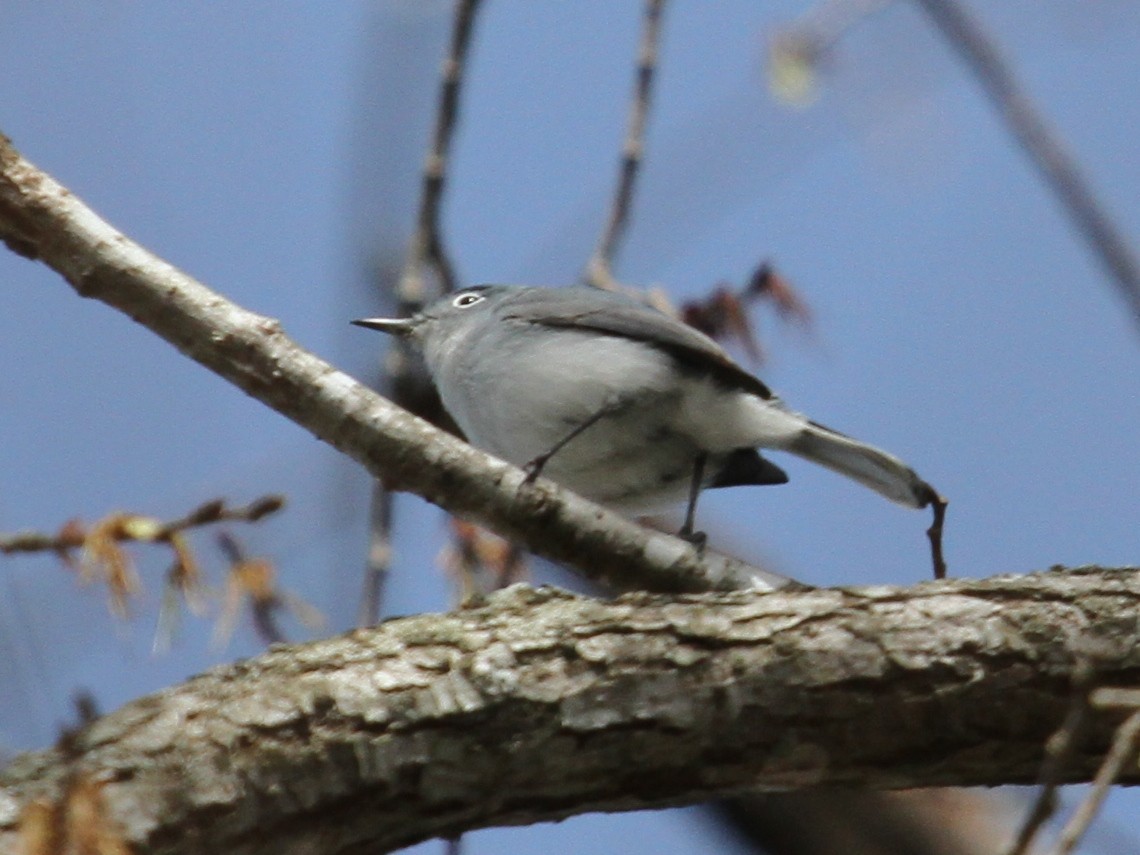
x=542, y=704
x=42, y=220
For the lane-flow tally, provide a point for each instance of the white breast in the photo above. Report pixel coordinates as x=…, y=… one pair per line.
x=517, y=395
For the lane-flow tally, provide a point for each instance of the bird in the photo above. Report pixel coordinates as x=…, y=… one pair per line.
x=620, y=402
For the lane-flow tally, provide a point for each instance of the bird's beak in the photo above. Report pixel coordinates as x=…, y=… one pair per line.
x=394, y=326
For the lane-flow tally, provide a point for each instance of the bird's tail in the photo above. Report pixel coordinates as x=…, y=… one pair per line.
x=873, y=467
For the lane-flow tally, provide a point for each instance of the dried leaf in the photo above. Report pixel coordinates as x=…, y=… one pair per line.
x=105, y=560
x=480, y=561
x=766, y=282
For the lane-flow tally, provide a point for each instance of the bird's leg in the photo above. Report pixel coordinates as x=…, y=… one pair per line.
x=697, y=538
x=534, y=467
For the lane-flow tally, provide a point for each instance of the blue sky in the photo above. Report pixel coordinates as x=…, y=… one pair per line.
x=272, y=150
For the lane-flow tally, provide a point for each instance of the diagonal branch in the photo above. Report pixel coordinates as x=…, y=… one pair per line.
x=541, y=705
x=1042, y=144
x=42, y=220
x=1059, y=749
x=599, y=269
x=1119, y=764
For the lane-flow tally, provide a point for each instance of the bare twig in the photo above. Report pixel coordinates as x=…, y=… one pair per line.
x=104, y=559
x=142, y=529
x=378, y=561
x=427, y=248
x=599, y=272
x=426, y=252
x=934, y=533
x=1041, y=143
x=1059, y=753
x=1122, y=753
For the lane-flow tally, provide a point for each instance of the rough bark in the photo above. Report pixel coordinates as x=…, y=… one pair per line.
x=542, y=704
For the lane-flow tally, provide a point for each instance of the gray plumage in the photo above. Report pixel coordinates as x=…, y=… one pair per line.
x=520, y=368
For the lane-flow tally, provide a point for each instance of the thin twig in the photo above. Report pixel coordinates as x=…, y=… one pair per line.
x=599, y=269
x=379, y=559
x=426, y=252
x=427, y=249
x=934, y=534
x=1059, y=753
x=216, y=511
x=1041, y=143
x=141, y=528
x=1122, y=752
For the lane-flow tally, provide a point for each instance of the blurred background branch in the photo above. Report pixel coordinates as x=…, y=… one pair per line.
x=599, y=269
x=427, y=272
x=1041, y=143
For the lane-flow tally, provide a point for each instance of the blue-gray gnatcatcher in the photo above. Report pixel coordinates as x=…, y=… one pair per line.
x=620, y=402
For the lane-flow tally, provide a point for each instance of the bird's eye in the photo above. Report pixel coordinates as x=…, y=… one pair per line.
x=468, y=299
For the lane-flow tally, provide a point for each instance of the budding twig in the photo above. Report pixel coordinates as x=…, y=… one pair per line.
x=135, y=527
x=103, y=557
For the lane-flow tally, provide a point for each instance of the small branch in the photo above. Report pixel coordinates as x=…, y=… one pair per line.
x=387, y=736
x=1059, y=752
x=378, y=561
x=142, y=529
x=427, y=250
x=42, y=220
x=104, y=559
x=1041, y=143
x=1122, y=753
x=599, y=269
x=934, y=535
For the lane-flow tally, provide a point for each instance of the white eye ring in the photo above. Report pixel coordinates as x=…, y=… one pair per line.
x=469, y=298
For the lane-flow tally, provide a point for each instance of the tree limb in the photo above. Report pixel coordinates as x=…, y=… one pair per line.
x=542, y=704
x=42, y=220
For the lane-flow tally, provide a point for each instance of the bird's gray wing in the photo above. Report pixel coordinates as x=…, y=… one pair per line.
x=617, y=315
